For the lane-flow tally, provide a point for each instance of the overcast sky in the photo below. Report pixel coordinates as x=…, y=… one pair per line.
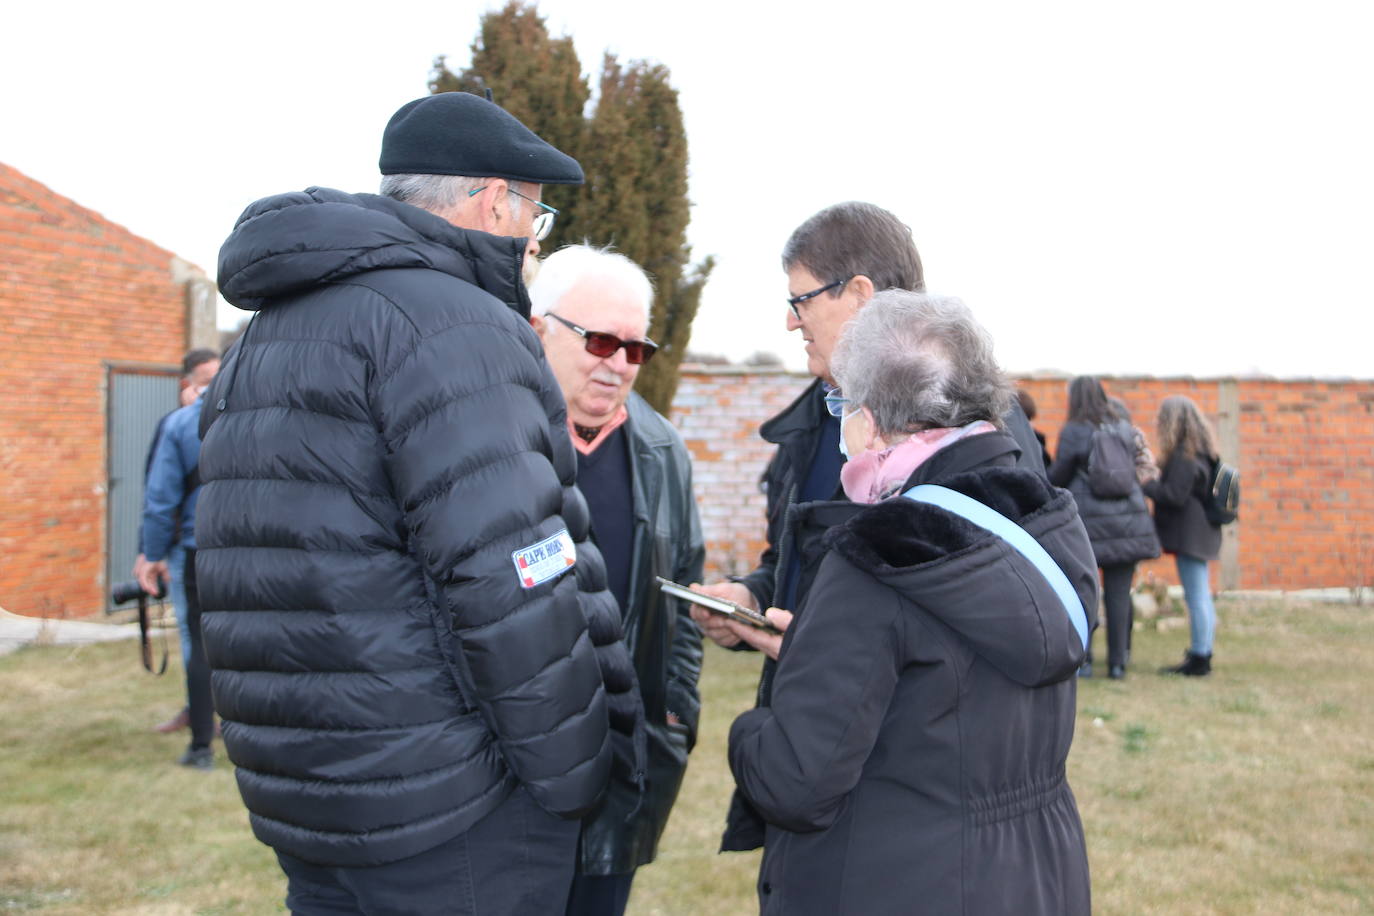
x=1171, y=188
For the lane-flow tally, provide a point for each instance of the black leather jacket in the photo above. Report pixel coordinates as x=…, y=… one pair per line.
x=663, y=640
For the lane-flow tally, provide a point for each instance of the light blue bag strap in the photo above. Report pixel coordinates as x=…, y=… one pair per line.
x=1013, y=534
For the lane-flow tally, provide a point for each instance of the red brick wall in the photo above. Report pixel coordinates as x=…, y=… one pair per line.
x=1305, y=449
x=718, y=412
x=76, y=292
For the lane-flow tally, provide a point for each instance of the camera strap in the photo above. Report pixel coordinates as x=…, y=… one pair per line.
x=145, y=645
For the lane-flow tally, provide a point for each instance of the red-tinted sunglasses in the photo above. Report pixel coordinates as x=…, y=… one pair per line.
x=604, y=345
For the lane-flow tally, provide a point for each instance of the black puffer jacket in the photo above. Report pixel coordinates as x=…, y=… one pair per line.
x=1180, y=518
x=1121, y=530
x=381, y=448
x=914, y=753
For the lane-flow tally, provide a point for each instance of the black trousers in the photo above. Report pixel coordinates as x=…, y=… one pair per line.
x=197, y=669
x=599, y=895
x=516, y=861
x=1116, y=596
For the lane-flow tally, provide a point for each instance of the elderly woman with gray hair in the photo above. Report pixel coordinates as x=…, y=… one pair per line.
x=913, y=755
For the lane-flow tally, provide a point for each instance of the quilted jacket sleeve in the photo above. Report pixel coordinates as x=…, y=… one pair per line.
x=465, y=428
x=624, y=706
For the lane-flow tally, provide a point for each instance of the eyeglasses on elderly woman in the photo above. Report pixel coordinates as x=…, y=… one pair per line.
x=835, y=402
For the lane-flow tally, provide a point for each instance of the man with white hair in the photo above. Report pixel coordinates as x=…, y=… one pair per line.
x=591, y=309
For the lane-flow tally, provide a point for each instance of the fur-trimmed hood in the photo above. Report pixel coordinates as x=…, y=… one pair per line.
x=973, y=581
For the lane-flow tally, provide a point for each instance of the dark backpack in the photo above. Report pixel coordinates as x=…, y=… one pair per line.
x=1111, y=463
x=1222, y=500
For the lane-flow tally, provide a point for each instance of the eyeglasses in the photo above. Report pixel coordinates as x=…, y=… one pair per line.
x=599, y=343
x=543, y=222
x=835, y=402
x=798, y=300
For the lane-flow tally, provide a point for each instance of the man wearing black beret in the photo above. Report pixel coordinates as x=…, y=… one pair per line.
x=417, y=662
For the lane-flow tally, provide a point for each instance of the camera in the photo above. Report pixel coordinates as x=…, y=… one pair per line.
x=131, y=591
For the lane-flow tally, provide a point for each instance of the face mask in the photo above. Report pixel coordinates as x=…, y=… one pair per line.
x=844, y=448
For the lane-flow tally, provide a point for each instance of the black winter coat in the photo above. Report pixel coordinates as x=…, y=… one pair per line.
x=797, y=432
x=1121, y=530
x=1180, y=518
x=914, y=753
x=384, y=445
x=663, y=641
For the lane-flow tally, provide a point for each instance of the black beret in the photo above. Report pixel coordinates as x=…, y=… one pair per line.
x=458, y=133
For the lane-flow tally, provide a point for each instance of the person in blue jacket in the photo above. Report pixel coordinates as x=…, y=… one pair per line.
x=169, y=518
x=198, y=368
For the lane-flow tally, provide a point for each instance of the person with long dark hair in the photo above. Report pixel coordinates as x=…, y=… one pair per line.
x=1187, y=448
x=1119, y=527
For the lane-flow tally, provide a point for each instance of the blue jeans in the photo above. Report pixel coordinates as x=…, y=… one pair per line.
x=176, y=565
x=1197, y=594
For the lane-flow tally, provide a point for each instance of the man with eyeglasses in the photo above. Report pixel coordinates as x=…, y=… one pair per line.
x=835, y=262
x=417, y=662
x=591, y=310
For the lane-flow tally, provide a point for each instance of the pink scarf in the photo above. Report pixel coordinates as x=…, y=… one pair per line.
x=612, y=424
x=876, y=475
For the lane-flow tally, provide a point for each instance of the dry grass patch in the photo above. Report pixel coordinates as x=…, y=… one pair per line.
x=1245, y=792
x=1251, y=791
x=95, y=817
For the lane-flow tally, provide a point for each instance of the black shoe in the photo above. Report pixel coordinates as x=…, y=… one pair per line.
x=1117, y=672
x=198, y=758
x=1085, y=669
x=1193, y=666
x=1202, y=666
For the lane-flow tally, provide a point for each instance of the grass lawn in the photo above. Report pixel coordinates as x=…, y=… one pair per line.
x=1251, y=791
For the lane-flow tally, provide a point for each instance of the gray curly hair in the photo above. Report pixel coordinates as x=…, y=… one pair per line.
x=917, y=362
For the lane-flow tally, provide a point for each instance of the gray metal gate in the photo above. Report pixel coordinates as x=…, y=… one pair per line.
x=138, y=400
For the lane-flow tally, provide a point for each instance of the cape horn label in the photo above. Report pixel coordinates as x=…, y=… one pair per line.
x=538, y=563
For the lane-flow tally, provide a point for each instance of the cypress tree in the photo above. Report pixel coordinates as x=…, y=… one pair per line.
x=637, y=199
x=536, y=78
x=633, y=149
